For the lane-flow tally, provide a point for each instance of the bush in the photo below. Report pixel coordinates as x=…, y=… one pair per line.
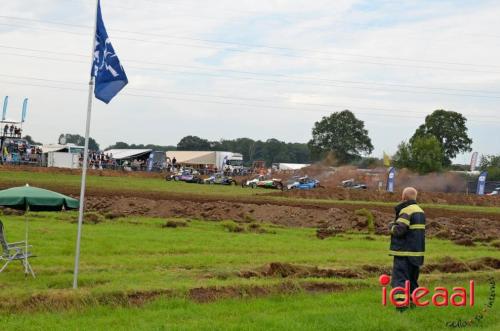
x=113, y=215
x=175, y=224
x=93, y=218
x=493, y=173
x=232, y=226
x=370, y=219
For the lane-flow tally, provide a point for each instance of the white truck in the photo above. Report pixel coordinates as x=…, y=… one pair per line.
x=226, y=161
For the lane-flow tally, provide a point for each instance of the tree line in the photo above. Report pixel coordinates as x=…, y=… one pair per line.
x=343, y=138
x=271, y=150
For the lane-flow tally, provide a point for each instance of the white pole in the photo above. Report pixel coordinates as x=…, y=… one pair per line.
x=26, y=240
x=85, y=160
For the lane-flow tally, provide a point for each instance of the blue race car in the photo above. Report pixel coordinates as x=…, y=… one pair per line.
x=188, y=176
x=220, y=179
x=302, y=183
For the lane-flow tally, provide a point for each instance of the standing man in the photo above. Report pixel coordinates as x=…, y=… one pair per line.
x=407, y=243
x=174, y=163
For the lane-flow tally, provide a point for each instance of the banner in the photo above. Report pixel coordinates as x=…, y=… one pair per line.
x=150, y=161
x=224, y=163
x=481, y=183
x=473, y=161
x=5, y=101
x=25, y=109
x=387, y=160
x=390, y=179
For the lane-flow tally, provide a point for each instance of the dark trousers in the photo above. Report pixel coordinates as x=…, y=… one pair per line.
x=403, y=270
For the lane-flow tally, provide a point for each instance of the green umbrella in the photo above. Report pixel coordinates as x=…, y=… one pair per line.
x=36, y=199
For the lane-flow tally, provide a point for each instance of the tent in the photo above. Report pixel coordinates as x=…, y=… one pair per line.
x=125, y=154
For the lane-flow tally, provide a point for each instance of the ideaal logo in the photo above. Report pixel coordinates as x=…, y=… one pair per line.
x=440, y=298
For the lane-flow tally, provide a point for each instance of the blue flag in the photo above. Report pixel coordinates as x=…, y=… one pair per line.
x=391, y=176
x=5, y=102
x=25, y=109
x=481, y=183
x=109, y=75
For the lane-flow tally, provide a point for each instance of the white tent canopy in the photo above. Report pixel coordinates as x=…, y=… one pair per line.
x=10, y=121
x=121, y=154
x=193, y=157
x=292, y=166
x=57, y=147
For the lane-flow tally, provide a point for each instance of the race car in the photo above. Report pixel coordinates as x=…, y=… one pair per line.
x=302, y=183
x=496, y=191
x=187, y=175
x=220, y=179
x=351, y=184
x=264, y=182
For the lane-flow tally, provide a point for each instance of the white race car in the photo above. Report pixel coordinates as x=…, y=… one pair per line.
x=496, y=191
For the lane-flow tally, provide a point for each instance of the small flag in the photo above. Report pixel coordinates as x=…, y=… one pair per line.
x=387, y=160
x=5, y=102
x=25, y=109
x=110, y=78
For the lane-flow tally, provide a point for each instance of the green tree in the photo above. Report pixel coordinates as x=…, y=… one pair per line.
x=426, y=154
x=491, y=163
x=402, y=158
x=450, y=129
x=31, y=141
x=78, y=140
x=193, y=143
x=300, y=153
x=343, y=134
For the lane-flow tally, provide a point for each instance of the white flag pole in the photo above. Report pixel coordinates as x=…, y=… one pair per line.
x=85, y=158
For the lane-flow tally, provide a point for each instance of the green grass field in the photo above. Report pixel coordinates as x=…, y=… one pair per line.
x=138, y=275
x=137, y=254
x=149, y=184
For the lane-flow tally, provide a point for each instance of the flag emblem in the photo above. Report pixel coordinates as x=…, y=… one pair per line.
x=110, y=78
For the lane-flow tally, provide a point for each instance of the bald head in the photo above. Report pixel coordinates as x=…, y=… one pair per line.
x=409, y=193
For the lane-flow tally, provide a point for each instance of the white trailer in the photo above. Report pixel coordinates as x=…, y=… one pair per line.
x=63, y=160
x=213, y=159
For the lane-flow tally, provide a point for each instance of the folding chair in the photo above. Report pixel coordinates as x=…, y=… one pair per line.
x=14, y=251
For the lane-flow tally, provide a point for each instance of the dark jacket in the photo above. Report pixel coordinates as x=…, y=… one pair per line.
x=408, y=232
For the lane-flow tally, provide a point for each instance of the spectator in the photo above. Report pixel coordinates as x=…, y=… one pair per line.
x=5, y=129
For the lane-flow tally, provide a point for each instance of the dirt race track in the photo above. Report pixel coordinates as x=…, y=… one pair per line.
x=300, y=208
x=372, y=195
x=466, y=228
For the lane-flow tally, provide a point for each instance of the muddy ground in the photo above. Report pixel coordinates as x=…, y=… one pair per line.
x=373, y=195
x=288, y=270
x=464, y=228
x=330, y=218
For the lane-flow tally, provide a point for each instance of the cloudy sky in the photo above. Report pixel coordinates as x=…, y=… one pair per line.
x=255, y=68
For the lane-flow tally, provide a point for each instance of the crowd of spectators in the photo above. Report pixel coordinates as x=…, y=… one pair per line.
x=100, y=160
x=20, y=152
x=11, y=131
